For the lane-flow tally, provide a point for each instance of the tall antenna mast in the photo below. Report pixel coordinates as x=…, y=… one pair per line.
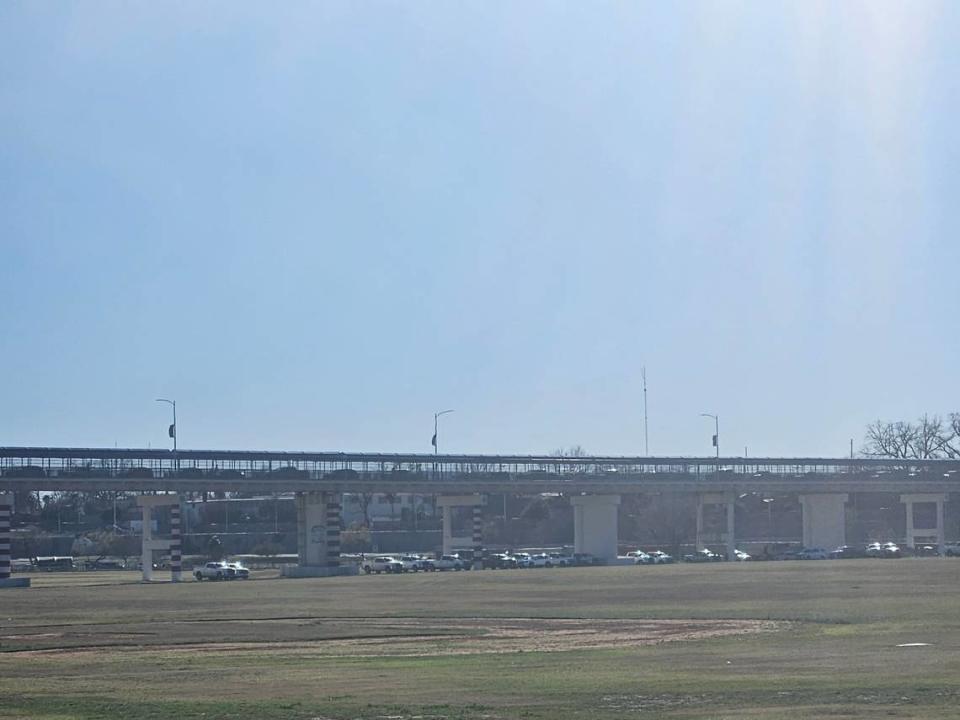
x=646, y=432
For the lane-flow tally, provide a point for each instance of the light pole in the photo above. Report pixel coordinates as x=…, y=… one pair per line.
x=436, y=418
x=172, y=430
x=716, y=434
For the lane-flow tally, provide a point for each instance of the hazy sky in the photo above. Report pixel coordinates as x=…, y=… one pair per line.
x=315, y=224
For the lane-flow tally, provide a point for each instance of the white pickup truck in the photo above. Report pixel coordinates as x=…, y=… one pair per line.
x=381, y=564
x=214, y=571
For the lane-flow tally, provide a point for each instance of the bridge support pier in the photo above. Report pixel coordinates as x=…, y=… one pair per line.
x=6, y=510
x=927, y=502
x=728, y=501
x=475, y=539
x=824, y=520
x=147, y=503
x=318, y=537
x=595, y=525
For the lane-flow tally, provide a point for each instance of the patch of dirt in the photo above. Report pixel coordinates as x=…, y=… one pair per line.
x=417, y=636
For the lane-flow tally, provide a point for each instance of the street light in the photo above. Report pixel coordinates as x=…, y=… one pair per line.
x=436, y=418
x=716, y=433
x=172, y=430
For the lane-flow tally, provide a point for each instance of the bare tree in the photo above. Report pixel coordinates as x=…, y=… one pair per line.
x=929, y=438
x=951, y=443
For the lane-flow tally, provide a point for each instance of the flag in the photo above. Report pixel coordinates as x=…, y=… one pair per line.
x=714, y=439
x=433, y=440
x=172, y=431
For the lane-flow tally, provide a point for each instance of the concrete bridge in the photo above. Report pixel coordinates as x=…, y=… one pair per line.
x=594, y=485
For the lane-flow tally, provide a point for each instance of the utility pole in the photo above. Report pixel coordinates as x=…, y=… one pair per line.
x=646, y=431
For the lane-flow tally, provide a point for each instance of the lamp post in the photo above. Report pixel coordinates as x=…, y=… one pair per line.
x=436, y=418
x=172, y=430
x=716, y=434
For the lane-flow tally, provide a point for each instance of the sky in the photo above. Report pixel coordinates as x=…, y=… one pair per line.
x=315, y=224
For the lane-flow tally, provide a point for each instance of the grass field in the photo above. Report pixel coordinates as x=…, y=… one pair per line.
x=753, y=640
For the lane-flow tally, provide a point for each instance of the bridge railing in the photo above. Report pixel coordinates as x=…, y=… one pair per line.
x=224, y=465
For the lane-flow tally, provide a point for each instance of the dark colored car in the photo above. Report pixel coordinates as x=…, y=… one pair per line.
x=701, y=556
x=499, y=561
x=845, y=552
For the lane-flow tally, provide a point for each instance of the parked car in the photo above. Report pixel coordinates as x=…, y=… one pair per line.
x=813, y=554
x=847, y=551
x=524, y=560
x=444, y=562
x=239, y=571
x=700, y=556
x=411, y=563
x=659, y=557
x=890, y=550
x=214, y=571
x=740, y=556
x=639, y=557
x=561, y=560
x=952, y=549
x=499, y=561
x=382, y=564
x=873, y=549
x=586, y=559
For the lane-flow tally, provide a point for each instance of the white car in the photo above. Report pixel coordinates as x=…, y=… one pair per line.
x=659, y=557
x=740, y=555
x=215, y=571
x=639, y=557
x=239, y=571
x=382, y=564
x=524, y=560
x=411, y=563
x=541, y=560
x=445, y=562
x=561, y=560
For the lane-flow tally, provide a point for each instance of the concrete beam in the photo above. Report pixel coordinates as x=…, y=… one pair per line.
x=937, y=531
x=595, y=525
x=728, y=501
x=824, y=520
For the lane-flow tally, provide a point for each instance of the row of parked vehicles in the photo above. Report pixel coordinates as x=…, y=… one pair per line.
x=464, y=561
x=869, y=550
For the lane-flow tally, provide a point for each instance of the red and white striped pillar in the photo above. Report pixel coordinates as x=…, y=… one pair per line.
x=176, y=548
x=6, y=502
x=477, y=537
x=332, y=526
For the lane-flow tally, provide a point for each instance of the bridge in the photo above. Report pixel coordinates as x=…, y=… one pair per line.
x=594, y=484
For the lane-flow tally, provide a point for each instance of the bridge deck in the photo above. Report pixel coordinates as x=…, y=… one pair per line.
x=194, y=470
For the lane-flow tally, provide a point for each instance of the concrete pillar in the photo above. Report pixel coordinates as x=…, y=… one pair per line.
x=699, y=539
x=333, y=529
x=728, y=538
x=176, y=566
x=595, y=531
x=448, y=502
x=318, y=537
x=731, y=538
x=6, y=505
x=477, y=537
x=318, y=529
x=148, y=543
x=824, y=520
x=913, y=532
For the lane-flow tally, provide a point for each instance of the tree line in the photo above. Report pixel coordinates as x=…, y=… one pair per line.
x=929, y=438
